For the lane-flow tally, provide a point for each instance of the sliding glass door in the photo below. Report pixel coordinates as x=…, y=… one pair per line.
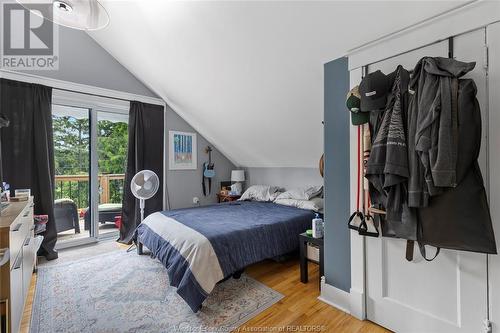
x=112, y=141
x=90, y=149
x=72, y=140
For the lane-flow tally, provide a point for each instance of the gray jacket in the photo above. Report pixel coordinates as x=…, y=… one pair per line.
x=387, y=167
x=432, y=128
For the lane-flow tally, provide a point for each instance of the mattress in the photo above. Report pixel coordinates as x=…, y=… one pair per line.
x=201, y=246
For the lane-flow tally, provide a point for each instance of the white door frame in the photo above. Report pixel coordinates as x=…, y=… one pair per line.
x=465, y=18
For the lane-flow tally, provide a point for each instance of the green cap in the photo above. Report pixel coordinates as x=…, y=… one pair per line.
x=353, y=103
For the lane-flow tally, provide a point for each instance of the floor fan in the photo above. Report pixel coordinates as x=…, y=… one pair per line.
x=144, y=186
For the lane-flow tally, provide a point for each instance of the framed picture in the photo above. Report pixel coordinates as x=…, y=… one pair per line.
x=182, y=151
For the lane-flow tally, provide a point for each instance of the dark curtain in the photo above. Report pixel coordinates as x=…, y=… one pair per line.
x=28, y=149
x=145, y=151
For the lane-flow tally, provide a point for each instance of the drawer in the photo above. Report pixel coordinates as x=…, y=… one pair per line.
x=28, y=263
x=16, y=293
x=17, y=235
x=27, y=215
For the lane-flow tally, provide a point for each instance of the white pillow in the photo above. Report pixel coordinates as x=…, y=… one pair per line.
x=260, y=193
x=302, y=193
x=315, y=204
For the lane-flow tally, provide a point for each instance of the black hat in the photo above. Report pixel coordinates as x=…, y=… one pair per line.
x=374, y=89
x=353, y=102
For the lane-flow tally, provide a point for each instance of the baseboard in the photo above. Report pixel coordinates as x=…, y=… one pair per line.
x=335, y=297
x=357, y=302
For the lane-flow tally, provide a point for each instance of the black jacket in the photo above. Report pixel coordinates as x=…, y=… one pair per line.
x=432, y=128
x=387, y=169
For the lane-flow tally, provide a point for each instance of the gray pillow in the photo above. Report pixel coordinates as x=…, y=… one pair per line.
x=302, y=193
x=260, y=193
x=315, y=204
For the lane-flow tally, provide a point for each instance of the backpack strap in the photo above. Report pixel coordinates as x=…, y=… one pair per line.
x=454, y=118
x=409, y=249
x=422, y=252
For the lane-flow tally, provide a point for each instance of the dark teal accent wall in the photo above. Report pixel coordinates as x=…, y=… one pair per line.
x=337, y=191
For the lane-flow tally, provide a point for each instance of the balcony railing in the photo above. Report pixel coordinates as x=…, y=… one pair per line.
x=76, y=188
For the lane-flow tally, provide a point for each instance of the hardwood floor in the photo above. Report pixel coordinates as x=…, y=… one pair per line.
x=299, y=307
x=25, y=323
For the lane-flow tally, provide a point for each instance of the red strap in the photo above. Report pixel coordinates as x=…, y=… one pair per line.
x=359, y=167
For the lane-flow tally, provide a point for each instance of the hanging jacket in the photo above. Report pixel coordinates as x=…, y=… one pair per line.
x=387, y=169
x=459, y=218
x=432, y=128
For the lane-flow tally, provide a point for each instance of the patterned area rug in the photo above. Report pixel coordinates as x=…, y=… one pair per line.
x=124, y=292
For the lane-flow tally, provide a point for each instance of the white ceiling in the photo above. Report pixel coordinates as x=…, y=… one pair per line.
x=249, y=75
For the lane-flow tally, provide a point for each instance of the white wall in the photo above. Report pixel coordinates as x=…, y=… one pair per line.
x=283, y=177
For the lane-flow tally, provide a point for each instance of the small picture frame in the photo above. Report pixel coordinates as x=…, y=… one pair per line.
x=182, y=150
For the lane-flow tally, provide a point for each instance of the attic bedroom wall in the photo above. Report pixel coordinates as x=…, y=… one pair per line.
x=83, y=61
x=283, y=177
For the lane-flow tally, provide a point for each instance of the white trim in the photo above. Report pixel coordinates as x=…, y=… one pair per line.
x=70, y=98
x=78, y=87
x=358, y=304
x=358, y=282
x=461, y=20
x=166, y=199
x=412, y=27
x=335, y=297
x=60, y=245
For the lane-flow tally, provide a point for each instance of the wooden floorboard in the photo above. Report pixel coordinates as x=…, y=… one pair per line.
x=299, y=308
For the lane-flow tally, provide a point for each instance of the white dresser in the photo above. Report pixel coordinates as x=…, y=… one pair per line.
x=16, y=235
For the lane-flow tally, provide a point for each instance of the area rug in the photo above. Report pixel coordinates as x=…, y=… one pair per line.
x=124, y=292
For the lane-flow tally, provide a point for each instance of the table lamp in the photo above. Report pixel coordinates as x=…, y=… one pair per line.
x=237, y=176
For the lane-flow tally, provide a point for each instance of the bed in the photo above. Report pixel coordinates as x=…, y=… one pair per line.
x=204, y=245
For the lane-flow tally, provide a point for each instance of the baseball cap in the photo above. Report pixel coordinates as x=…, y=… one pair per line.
x=374, y=89
x=353, y=103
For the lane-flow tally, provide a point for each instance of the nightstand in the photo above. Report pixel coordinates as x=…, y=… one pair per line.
x=304, y=240
x=227, y=198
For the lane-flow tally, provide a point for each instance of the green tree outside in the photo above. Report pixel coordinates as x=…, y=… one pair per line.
x=71, y=152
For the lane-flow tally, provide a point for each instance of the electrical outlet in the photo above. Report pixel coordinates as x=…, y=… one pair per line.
x=196, y=200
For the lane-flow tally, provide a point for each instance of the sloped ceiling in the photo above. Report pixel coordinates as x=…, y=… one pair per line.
x=249, y=75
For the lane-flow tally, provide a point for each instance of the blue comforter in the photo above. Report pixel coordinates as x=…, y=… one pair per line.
x=201, y=246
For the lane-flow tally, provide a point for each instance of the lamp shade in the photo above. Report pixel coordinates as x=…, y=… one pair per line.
x=76, y=14
x=238, y=175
